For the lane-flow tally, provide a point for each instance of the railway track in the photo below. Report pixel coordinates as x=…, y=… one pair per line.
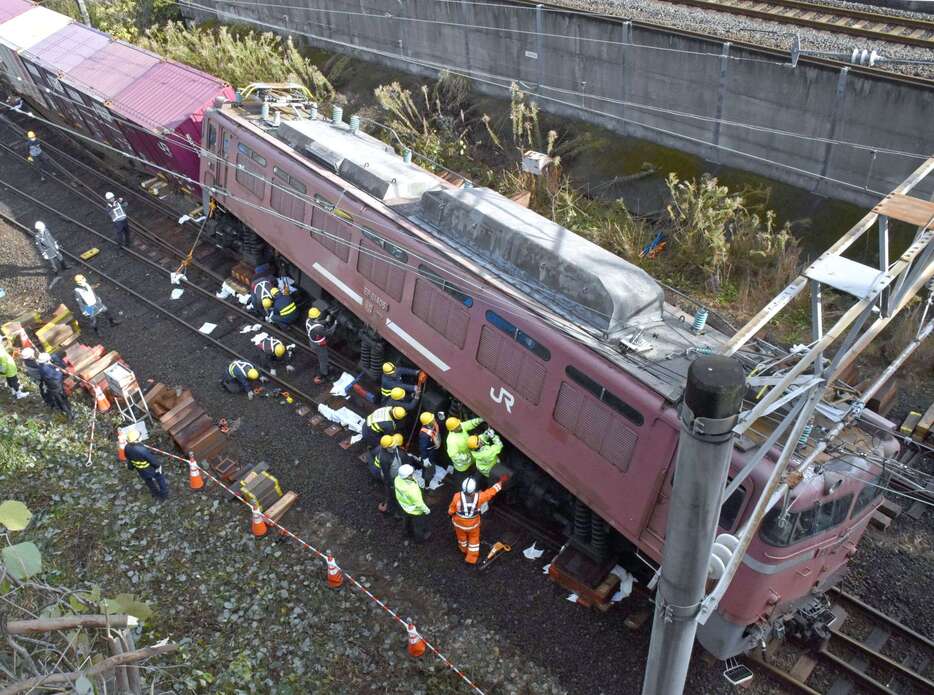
x=840, y=20
x=867, y=652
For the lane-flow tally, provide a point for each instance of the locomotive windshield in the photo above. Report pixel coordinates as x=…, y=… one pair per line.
x=794, y=527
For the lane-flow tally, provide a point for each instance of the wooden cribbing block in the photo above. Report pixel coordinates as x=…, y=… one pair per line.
x=258, y=468
x=210, y=444
x=26, y=320
x=884, y=399
x=880, y=520
x=88, y=358
x=910, y=422
x=152, y=395
x=925, y=424
x=227, y=469
x=183, y=402
x=187, y=434
x=97, y=368
x=74, y=352
x=282, y=505
x=182, y=417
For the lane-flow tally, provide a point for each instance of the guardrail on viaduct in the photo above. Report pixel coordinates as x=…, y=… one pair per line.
x=731, y=104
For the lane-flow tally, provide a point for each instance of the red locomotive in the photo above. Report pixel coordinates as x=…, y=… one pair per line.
x=568, y=351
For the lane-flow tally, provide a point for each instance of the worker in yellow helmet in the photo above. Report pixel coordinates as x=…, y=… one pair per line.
x=284, y=312
x=429, y=444
x=239, y=375
x=384, y=420
x=458, y=448
x=261, y=290
x=273, y=351
x=319, y=326
x=394, y=377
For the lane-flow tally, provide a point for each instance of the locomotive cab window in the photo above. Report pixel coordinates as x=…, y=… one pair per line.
x=731, y=507
x=870, y=492
x=798, y=526
x=249, y=165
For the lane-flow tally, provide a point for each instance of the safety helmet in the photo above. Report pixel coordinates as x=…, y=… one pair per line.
x=274, y=291
x=108, y=196
x=44, y=358
x=406, y=471
x=426, y=418
x=28, y=353
x=386, y=441
x=397, y=439
x=398, y=412
x=267, y=302
x=397, y=394
x=314, y=312
x=469, y=486
x=252, y=374
x=278, y=350
x=39, y=226
x=473, y=442
x=81, y=280
x=31, y=135
x=132, y=435
x=451, y=424
x=389, y=368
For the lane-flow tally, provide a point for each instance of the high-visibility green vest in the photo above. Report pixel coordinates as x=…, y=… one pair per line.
x=457, y=445
x=487, y=455
x=409, y=496
x=7, y=364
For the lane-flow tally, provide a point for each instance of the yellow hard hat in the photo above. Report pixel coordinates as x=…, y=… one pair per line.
x=80, y=279
x=252, y=374
x=452, y=423
x=397, y=394
x=278, y=350
x=388, y=368
x=267, y=302
x=274, y=291
x=386, y=441
x=314, y=312
x=31, y=135
x=426, y=418
x=397, y=439
x=132, y=435
x=473, y=442
x=398, y=413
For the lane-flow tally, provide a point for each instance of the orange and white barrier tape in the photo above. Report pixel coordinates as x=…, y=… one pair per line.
x=324, y=556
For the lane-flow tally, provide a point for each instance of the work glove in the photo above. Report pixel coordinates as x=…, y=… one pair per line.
x=249, y=395
x=427, y=511
x=503, y=479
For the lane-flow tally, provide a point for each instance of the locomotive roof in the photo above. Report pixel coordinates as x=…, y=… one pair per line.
x=590, y=284
x=12, y=8
x=361, y=159
x=590, y=294
x=28, y=28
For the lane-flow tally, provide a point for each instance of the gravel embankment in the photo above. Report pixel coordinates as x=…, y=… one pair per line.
x=762, y=32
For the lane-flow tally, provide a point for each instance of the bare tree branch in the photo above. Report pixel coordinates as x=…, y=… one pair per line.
x=102, y=667
x=67, y=622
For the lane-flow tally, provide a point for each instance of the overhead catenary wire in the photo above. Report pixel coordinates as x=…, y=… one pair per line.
x=495, y=80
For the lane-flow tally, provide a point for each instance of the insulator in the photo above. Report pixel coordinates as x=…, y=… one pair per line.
x=805, y=434
x=337, y=114
x=407, y=155
x=354, y=123
x=700, y=320
x=264, y=112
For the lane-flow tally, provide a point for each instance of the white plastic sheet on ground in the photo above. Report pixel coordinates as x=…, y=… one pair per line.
x=533, y=553
x=438, y=478
x=572, y=598
x=546, y=568
x=225, y=291
x=626, y=581
x=340, y=387
x=207, y=328
x=177, y=293
x=251, y=329
x=345, y=417
x=243, y=299
x=176, y=278
x=258, y=338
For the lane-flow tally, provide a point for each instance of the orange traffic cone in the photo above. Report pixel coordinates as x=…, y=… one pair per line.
x=195, y=481
x=335, y=574
x=258, y=523
x=121, y=443
x=102, y=404
x=416, y=643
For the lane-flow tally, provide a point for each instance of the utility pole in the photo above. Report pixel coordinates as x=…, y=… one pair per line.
x=712, y=399
x=83, y=9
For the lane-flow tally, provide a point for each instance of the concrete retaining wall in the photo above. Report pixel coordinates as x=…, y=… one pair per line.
x=639, y=81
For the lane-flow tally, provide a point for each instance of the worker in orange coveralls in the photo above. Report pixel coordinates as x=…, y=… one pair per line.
x=464, y=511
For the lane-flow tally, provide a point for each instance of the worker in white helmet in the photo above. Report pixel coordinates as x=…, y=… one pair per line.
x=116, y=210
x=49, y=249
x=409, y=497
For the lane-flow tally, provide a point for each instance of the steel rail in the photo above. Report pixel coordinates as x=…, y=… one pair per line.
x=784, y=676
x=291, y=388
x=899, y=669
x=777, y=53
x=868, y=25
x=338, y=359
x=876, y=613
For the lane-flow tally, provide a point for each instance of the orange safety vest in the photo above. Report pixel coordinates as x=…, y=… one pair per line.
x=434, y=432
x=464, y=509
